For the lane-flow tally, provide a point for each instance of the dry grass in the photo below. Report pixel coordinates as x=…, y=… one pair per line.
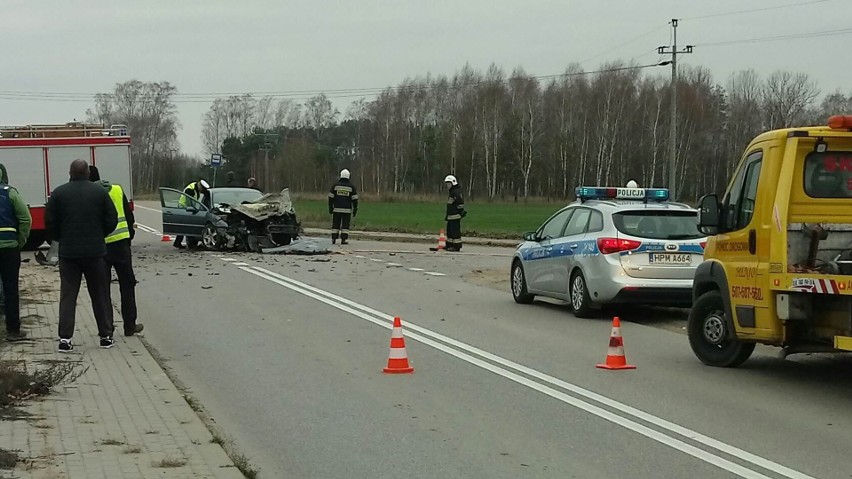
x=170, y=462
x=8, y=459
x=112, y=442
x=17, y=383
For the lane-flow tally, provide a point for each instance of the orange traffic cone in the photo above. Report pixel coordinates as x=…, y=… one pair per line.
x=166, y=238
x=615, y=358
x=398, y=359
x=442, y=240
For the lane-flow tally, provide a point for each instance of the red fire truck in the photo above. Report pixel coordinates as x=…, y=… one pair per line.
x=37, y=158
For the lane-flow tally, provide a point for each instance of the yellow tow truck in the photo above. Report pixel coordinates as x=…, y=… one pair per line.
x=778, y=260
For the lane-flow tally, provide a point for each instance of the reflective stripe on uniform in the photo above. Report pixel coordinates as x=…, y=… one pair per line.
x=453, y=217
x=122, y=230
x=341, y=210
x=355, y=197
x=454, y=240
x=8, y=230
x=331, y=195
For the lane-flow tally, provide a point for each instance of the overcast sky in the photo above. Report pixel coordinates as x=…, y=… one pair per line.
x=252, y=46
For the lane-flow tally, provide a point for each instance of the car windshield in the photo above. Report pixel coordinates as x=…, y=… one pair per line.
x=235, y=196
x=663, y=225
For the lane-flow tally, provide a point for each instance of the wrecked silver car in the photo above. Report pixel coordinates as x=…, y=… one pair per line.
x=236, y=219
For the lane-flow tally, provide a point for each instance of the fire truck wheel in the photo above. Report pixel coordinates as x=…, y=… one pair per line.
x=707, y=328
x=35, y=240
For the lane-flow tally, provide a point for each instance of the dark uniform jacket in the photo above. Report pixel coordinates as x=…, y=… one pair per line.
x=79, y=215
x=455, y=204
x=343, y=197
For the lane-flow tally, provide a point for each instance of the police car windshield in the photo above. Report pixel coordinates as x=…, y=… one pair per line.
x=234, y=196
x=663, y=225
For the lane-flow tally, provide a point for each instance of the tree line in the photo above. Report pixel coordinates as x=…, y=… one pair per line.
x=504, y=135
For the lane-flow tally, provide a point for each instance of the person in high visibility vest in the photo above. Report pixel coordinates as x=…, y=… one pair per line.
x=197, y=190
x=15, y=222
x=119, y=255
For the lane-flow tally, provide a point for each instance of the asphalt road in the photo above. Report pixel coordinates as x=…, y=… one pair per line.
x=286, y=353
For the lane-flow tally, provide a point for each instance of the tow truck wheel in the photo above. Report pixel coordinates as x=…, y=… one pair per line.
x=519, y=285
x=581, y=302
x=210, y=237
x=707, y=328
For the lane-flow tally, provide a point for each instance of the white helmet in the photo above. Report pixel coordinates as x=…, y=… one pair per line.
x=451, y=179
x=204, y=184
x=344, y=173
x=632, y=184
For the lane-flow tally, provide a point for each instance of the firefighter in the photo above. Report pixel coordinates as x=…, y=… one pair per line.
x=197, y=190
x=455, y=213
x=119, y=255
x=342, y=206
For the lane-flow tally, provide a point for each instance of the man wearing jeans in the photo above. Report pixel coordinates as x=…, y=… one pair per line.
x=79, y=215
x=119, y=254
x=15, y=224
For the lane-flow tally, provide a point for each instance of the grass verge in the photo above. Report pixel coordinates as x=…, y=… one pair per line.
x=489, y=220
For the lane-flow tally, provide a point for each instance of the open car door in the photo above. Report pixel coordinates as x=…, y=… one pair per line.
x=182, y=215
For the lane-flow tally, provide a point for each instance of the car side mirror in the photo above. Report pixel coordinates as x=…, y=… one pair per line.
x=709, y=215
x=530, y=236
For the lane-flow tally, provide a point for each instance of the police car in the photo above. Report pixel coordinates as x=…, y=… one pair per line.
x=612, y=246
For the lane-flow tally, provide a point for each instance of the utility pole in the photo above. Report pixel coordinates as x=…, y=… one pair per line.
x=673, y=51
x=267, y=145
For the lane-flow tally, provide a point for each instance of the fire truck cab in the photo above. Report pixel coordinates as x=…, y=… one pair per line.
x=37, y=158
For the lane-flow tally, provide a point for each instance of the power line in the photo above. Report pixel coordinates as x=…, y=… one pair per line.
x=793, y=36
x=295, y=95
x=628, y=42
x=753, y=10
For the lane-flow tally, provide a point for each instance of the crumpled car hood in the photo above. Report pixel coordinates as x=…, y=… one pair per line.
x=270, y=204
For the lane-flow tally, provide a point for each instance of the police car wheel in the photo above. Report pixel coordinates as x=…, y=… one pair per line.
x=519, y=284
x=707, y=328
x=581, y=303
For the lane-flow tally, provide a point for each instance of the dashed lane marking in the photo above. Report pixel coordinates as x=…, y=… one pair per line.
x=432, y=273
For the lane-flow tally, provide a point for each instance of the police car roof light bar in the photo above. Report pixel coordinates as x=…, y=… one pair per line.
x=585, y=193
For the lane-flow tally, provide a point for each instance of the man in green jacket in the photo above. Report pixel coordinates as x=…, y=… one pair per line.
x=15, y=224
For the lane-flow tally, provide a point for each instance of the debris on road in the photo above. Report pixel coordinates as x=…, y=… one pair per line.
x=303, y=246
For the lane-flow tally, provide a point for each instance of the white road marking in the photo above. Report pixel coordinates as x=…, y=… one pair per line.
x=359, y=256
x=377, y=260
x=385, y=321
x=240, y=264
x=432, y=273
x=416, y=269
x=136, y=205
x=148, y=229
x=394, y=265
x=227, y=259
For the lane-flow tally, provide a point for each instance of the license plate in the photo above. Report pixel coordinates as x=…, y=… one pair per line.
x=670, y=258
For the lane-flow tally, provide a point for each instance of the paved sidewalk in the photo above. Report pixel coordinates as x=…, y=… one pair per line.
x=123, y=418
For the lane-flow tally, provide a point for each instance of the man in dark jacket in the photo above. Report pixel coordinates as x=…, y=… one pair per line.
x=455, y=213
x=119, y=255
x=15, y=224
x=342, y=206
x=79, y=215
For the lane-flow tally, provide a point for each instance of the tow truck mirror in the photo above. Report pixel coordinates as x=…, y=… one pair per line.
x=708, y=215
